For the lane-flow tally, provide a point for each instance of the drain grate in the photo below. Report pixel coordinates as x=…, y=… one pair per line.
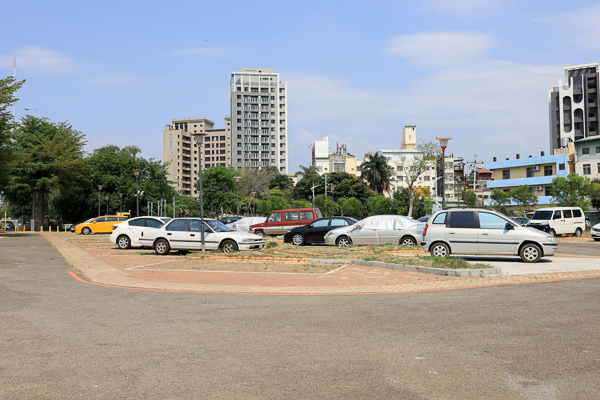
x=10, y=264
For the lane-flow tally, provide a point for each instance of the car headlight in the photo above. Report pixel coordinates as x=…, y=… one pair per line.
x=247, y=240
x=551, y=238
x=288, y=231
x=544, y=223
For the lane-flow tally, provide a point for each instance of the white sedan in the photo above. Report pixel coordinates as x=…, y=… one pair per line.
x=126, y=234
x=183, y=234
x=595, y=232
x=378, y=229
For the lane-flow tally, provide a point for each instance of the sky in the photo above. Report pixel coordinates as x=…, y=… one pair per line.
x=477, y=71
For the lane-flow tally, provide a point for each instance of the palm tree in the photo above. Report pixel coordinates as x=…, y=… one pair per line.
x=376, y=172
x=305, y=171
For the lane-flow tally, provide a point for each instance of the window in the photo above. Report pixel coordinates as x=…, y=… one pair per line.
x=440, y=219
x=462, y=219
x=307, y=215
x=576, y=213
x=568, y=213
x=426, y=178
x=506, y=174
x=561, y=167
x=103, y=219
x=557, y=215
x=491, y=221
x=137, y=222
x=275, y=217
x=597, y=149
x=585, y=150
x=323, y=222
x=547, y=190
x=180, y=225
x=152, y=223
x=399, y=168
x=587, y=169
x=339, y=222
x=530, y=173
x=547, y=170
x=291, y=216
x=598, y=167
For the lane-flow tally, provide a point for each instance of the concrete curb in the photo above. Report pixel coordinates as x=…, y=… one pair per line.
x=415, y=268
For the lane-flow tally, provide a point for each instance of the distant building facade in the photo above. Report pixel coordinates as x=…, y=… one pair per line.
x=326, y=161
x=587, y=157
x=259, y=119
x=181, y=151
x=573, y=106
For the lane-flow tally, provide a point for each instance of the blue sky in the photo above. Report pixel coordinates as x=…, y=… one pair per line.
x=475, y=70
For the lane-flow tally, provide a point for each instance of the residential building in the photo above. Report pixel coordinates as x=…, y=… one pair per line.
x=535, y=172
x=326, y=162
x=259, y=134
x=574, y=105
x=587, y=157
x=181, y=151
x=401, y=161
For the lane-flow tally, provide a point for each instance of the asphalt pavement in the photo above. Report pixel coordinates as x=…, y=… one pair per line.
x=61, y=338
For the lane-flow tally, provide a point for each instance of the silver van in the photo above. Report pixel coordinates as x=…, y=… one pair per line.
x=559, y=220
x=481, y=231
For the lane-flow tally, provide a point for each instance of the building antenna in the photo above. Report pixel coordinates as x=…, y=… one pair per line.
x=15, y=78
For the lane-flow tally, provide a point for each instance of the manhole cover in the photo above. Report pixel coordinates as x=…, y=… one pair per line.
x=10, y=264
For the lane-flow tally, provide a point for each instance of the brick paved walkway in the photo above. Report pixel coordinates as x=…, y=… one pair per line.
x=102, y=263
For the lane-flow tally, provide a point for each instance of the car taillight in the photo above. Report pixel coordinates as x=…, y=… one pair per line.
x=425, y=230
x=142, y=234
x=114, y=227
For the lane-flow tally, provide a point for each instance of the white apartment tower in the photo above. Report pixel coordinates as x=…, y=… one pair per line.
x=259, y=134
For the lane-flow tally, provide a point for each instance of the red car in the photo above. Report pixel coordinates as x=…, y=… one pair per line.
x=279, y=222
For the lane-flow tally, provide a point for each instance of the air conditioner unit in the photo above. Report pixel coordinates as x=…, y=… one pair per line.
x=539, y=188
x=536, y=168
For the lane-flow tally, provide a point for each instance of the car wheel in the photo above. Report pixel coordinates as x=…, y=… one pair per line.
x=259, y=233
x=530, y=253
x=86, y=231
x=440, y=250
x=552, y=232
x=161, y=247
x=124, y=242
x=597, y=240
x=408, y=241
x=578, y=232
x=298, y=239
x=229, y=246
x=343, y=241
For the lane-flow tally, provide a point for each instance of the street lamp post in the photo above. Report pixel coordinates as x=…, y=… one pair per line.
x=121, y=202
x=99, y=189
x=106, y=205
x=237, y=195
x=199, y=138
x=136, y=172
x=254, y=204
x=443, y=145
x=332, y=211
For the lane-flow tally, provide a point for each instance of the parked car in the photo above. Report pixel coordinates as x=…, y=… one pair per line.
x=65, y=225
x=559, y=220
x=102, y=224
x=478, y=231
x=595, y=232
x=8, y=225
x=424, y=219
x=520, y=220
x=316, y=230
x=244, y=224
x=378, y=229
x=126, y=234
x=183, y=234
x=229, y=220
x=280, y=221
x=72, y=228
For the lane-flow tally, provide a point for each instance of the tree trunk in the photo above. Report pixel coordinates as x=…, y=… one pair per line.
x=41, y=212
x=411, y=202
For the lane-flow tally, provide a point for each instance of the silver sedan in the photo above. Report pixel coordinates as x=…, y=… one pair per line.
x=378, y=230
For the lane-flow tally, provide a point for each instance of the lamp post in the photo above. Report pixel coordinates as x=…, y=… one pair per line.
x=136, y=172
x=106, y=205
x=254, y=204
x=237, y=195
x=332, y=211
x=199, y=138
x=121, y=202
x=99, y=189
x=443, y=145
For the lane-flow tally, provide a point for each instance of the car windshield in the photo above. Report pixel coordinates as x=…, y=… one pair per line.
x=543, y=215
x=217, y=226
x=165, y=219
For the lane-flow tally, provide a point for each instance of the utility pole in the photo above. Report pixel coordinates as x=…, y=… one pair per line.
x=474, y=164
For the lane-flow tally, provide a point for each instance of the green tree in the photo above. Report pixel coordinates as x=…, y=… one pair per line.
x=48, y=157
x=218, y=184
x=280, y=181
x=301, y=204
x=595, y=193
x=523, y=197
x=346, y=185
x=255, y=180
x=573, y=191
x=500, y=199
x=273, y=203
x=8, y=88
x=376, y=171
x=381, y=205
x=305, y=172
x=350, y=207
x=469, y=198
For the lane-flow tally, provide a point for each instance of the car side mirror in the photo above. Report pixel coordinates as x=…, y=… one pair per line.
x=93, y=222
x=509, y=226
x=311, y=226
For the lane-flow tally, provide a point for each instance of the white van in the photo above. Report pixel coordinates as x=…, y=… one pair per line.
x=559, y=220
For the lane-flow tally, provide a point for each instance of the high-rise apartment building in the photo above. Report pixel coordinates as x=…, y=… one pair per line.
x=259, y=135
x=181, y=151
x=574, y=106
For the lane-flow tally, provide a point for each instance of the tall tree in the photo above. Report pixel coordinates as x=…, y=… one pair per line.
x=469, y=198
x=376, y=171
x=573, y=191
x=500, y=199
x=48, y=156
x=524, y=198
x=307, y=171
x=218, y=184
x=595, y=193
x=8, y=88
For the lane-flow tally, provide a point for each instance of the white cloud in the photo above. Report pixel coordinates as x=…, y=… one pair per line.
x=204, y=52
x=38, y=60
x=441, y=48
x=582, y=27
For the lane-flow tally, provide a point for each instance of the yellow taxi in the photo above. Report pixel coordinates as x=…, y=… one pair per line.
x=103, y=224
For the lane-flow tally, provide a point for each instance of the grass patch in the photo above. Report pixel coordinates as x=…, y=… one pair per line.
x=271, y=244
x=432, y=262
